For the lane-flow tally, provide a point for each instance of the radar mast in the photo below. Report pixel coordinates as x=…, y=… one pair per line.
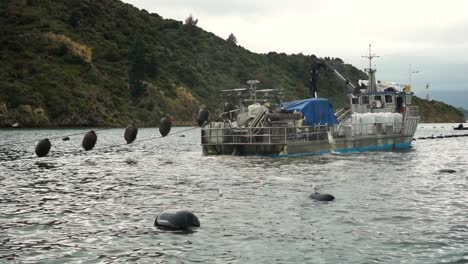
x=372, y=85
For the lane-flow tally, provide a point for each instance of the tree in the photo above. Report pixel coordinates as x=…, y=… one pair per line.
x=75, y=18
x=191, y=21
x=152, y=66
x=136, y=67
x=232, y=40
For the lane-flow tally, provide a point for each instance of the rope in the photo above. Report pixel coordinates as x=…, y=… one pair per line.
x=99, y=148
x=146, y=139
x=57, y=137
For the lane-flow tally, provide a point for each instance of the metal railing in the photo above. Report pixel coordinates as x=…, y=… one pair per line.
x=367, y=129
x=342, y=114
x=263, y=136
x=283, y=135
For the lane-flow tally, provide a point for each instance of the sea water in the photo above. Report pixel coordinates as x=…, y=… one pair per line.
x=99, y=206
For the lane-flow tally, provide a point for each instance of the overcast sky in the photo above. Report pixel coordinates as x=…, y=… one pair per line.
x=430, y=35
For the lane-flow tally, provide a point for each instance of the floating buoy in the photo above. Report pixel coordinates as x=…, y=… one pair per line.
x=323, y=197
x=447, y=171
x=173, y=219
x=130, y=134
x=89, y=140
x=165, y=126
x=66, y=138
x=203, y=116
x=43, y=147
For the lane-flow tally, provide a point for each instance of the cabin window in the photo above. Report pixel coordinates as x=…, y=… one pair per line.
x=378, y=98
x=365, y=99
x=355, y=100
x=388, y=99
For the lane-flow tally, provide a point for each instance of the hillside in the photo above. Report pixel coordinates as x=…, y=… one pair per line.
x=438, y=112
x=464, y=111
x=104, y=62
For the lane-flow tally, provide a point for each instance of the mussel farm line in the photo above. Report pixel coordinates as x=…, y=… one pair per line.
x=441, y=136
x=90, y=138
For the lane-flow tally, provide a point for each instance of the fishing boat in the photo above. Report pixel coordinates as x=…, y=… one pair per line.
x=380, y=116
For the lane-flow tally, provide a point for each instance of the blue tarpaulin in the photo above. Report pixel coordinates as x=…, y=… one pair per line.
x=317, y=111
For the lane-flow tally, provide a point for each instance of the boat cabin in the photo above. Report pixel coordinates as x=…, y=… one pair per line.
x=380, y=102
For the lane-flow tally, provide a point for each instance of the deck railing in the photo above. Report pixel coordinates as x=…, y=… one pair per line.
x=367, y=129
x=217, y=135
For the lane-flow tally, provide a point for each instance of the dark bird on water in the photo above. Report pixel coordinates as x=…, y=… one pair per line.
x=165, y=126
x=89, y=140
x=203, y=116
x=130, y=134
x=323, y=197
x=43, y=147
x=66, y=138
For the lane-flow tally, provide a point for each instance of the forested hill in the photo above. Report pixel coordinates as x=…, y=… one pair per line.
x=104, y=62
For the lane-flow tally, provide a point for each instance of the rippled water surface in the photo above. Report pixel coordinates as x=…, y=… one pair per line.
x=99, y=206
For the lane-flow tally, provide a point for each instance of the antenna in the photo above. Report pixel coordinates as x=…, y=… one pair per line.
x=371, y=72
x=410, y=73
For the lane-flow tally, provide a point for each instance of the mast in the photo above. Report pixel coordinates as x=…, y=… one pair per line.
x=253, y=89
x=372, y=86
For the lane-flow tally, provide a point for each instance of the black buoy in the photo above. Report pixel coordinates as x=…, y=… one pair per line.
x=43, y=147
x=165, y=126
x=89, y=140
x=324, y=197
x=130, y=134
x=66, y=138
x=447, y=171
x=173, y=219
x=203, y=116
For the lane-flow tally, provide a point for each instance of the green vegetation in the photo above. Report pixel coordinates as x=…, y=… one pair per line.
x=104, y=62
x=464, y=111
x=438, y=112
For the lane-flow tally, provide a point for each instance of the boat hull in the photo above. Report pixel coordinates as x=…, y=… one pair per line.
x=347, y=146
x=300, y=148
